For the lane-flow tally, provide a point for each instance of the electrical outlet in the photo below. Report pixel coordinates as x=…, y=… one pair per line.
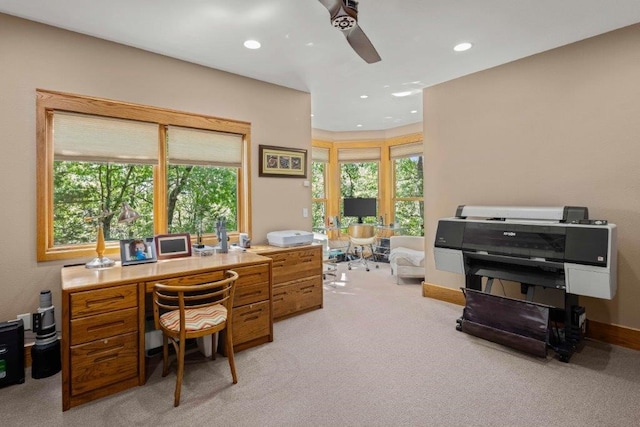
x=26, y=320
x=305, y=212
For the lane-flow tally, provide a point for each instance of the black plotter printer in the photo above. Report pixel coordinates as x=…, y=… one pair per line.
x=556, y=247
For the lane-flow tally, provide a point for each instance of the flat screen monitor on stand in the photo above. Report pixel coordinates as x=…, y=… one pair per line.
x=360, y=207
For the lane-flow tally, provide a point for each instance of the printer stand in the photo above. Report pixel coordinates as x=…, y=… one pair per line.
x=518, y=323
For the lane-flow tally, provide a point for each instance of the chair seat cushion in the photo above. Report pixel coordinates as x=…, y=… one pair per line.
x=406, y=256
x=362, y=240
x=195, y=318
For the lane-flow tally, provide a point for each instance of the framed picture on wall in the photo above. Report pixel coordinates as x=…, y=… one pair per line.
x=137, y=251
x=281, y=162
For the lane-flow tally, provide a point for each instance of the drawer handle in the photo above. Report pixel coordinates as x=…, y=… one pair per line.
x=105, y=326
x=248, y=319
x=106, y=349
x=280, y=298
x=105, y=358
x=307, y=287
x=104, y=300
x=249, y=294
x=248, y=313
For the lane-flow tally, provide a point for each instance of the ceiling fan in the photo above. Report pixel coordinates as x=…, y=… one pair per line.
x=344, y=16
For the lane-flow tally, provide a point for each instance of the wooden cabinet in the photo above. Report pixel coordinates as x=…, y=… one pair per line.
x=103, y=313
x=297, y=279
x=252, y=321
x=103, y=343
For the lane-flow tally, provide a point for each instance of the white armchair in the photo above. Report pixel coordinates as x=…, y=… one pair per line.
x=406, y=256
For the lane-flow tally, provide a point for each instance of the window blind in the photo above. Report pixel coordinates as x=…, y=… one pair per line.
x=203, y=147
x=407, y=150
x=83, y=137
x=359, y=154
x=319, y=154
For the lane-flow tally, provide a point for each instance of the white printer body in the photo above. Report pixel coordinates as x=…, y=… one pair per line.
x=287, y=238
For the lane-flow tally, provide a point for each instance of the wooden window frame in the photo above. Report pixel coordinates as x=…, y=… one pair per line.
x=49, y=101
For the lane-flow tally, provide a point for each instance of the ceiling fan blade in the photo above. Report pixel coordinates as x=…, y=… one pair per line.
x=332, y=5
x=361, y=44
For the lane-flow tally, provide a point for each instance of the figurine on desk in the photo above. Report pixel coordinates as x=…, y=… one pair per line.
x=221, y=232
x=223, y=241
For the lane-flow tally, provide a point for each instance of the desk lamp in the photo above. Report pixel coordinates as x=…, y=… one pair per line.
x=127, y=215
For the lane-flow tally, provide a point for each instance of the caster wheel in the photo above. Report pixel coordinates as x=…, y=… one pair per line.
x=349, y=267
x=367, y=269
x=458, y=327
x=377, y=266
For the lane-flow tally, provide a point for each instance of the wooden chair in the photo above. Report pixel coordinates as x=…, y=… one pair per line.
x=192, y=311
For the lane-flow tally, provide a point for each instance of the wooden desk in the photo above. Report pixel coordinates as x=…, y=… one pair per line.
x=103, y=317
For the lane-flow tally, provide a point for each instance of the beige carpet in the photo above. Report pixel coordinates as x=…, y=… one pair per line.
x=377, y=354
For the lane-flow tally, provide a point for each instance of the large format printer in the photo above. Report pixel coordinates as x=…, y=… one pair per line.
x=552, y=247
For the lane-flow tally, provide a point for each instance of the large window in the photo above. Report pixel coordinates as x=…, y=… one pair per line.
x=408, y=193
x=319, y=171
x=202, y=179
x=359, y=175
x=180, y=171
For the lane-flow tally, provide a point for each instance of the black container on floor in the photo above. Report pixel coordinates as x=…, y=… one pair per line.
x=45, y=359
x=11, y=352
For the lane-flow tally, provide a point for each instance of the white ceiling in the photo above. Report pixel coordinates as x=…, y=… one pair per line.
x=301, y=50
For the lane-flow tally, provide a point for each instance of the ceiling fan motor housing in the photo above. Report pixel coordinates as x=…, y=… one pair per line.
x=344, y=22
x=347, y=16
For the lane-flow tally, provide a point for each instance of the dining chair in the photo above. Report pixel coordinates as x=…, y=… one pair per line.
x=183, y=312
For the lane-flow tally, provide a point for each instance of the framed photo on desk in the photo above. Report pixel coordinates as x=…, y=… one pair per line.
x=173, y=245
x=138, y=251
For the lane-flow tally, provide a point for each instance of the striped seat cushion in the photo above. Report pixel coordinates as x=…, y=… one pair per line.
x=195, y=318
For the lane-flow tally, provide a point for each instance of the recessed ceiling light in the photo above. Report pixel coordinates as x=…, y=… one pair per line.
x=311, y=114
x=414, y=111
x=252, y=44
x=461, y=47
x=359, y=126
x=401, y=94
x=364, y=96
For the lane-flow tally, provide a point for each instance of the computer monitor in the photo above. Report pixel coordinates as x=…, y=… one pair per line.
x=360, y=207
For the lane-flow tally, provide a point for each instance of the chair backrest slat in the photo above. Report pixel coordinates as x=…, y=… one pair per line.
x=182, y=297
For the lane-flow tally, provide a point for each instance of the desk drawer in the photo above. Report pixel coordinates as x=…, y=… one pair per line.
x=193, y=279
x=293, y=265
x=99, y=301
x=252, y=275
x=104, y=325
x=250, y=322
x=297, y=296
x=248, y=294
x=103, y=362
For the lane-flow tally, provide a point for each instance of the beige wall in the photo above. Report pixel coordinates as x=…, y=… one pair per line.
x=558, y=128
x=37, y=56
